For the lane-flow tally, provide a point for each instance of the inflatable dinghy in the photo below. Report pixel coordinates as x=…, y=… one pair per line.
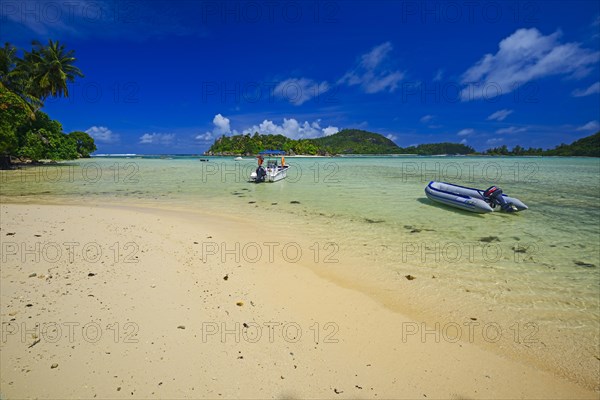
x=470, y=199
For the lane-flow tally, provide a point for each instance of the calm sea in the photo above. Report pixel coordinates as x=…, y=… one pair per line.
x=531, y=277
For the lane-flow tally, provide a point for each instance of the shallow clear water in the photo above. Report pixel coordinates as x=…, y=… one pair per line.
x=541, y=265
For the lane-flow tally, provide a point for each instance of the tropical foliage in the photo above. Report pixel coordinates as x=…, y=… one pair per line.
x=439, y=148
x=354, y=141
x=25, y=83
x=347, y=141
x=587, y=147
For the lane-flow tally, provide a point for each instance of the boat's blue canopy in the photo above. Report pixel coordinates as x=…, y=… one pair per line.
x=272, y=152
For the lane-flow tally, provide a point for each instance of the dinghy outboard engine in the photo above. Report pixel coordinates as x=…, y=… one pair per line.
x=260, y=174
x=493, y=195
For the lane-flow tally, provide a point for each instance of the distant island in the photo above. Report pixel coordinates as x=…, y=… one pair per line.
x=355, y=141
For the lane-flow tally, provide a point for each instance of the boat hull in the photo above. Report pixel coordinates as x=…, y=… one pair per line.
x=273, y=174
x=466, y=198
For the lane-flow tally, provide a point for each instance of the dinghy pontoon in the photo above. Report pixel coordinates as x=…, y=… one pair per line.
x=470, y=199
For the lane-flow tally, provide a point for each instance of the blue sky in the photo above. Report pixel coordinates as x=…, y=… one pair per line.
x=170, y=76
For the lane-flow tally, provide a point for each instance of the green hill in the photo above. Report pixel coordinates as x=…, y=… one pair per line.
x=588, y=146
x=347, y=141
x=355, y=141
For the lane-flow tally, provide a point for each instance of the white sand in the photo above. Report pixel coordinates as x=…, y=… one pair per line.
x=116, y=334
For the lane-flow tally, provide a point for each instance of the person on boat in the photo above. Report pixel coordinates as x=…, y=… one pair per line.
x=260, y=160
x=283, y=161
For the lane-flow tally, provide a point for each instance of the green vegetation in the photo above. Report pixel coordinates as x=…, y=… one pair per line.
x=247, y=144
x=354, y=141
x=25, y=83
x=439, y=148
x=586, y=147
x=347, y=141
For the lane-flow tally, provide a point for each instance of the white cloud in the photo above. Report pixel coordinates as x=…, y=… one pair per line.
x=593, y=89
x=105, y=18
x=427, y=118
x=330, y=130
x=222, y=126
x=102, y=134
x=208, y=136
x=494, y=141
x=510, y=130
x=157, y=138
x=590, y=126
x=299, y=91
x=371, y=75
x=522, y=57
x=292, y=129
x=438, y=75
x=466, y=132
x=391, y=137
x=500, y=115
x=43, y=16
x=464, y=141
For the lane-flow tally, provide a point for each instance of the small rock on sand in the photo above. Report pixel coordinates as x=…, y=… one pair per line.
x=489, y=239
x=32, y=275
x=55, y=365
x=181, y=327
x=410, y=277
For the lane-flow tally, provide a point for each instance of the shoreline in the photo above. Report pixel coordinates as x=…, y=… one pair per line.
x=280, y=291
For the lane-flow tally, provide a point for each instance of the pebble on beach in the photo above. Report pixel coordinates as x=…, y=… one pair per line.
x=410, y=277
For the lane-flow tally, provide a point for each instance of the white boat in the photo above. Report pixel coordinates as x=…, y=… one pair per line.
x=274, y=171
x=470, y=199
x=238, y=159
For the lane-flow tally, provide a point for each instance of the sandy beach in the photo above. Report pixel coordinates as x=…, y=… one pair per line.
x=100, y=302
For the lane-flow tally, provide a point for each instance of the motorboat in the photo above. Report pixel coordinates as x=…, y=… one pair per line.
x=273, y=171
x=474, y=200
x=238, y=159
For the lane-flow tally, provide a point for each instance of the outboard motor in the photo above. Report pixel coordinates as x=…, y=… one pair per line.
x=260, y=174
x=493, y=195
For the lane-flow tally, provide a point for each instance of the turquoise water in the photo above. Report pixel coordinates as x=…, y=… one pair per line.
x=540, y=267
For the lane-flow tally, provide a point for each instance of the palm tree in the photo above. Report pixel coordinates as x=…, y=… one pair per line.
x=15, y=76
x=47, y=70
x=7, y=63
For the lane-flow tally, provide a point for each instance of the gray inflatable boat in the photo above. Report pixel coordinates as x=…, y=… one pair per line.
x=470, y=199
